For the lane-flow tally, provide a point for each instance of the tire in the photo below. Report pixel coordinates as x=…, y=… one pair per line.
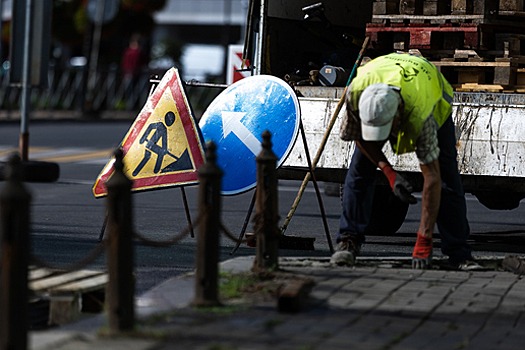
x=388, y=213
x=503, y=200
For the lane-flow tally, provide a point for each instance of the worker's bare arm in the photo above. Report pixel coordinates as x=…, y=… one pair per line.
x=431, y=197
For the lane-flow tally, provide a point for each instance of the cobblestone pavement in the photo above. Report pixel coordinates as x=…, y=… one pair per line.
x=375, y=305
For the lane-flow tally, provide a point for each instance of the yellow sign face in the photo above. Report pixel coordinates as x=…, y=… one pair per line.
x=163, y=146
x=154, y=152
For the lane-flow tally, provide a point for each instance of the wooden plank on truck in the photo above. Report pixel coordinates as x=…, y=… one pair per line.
x=385, y=7
x=472, y=87
x=511, y=5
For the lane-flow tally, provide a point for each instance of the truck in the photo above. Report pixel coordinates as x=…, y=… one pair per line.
x=476, y=45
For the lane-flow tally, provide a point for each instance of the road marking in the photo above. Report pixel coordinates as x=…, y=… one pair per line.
x=71, y=158
x=62, y=155
x=6, y=151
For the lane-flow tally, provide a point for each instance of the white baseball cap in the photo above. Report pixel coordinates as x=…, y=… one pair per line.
x=378, y=106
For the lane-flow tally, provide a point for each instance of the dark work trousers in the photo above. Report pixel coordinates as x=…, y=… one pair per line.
x=452, y=223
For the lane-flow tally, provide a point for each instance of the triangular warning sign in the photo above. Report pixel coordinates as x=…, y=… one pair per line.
x=163, y=147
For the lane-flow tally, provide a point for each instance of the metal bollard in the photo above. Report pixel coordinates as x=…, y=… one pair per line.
x=207, y=260
x=15, y=248
x=121, y=284
x=266, y=209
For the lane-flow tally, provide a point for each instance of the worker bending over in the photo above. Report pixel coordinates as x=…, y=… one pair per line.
x=405, y=100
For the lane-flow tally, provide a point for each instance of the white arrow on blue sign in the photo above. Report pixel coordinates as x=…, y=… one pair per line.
x=236, y=120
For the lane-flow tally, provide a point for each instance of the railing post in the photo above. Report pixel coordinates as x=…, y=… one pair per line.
x=207, y=259
x=266, y=209
x=15, y=251
x=121, y=285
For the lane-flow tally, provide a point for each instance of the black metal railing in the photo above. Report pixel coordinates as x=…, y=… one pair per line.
x=70, y=89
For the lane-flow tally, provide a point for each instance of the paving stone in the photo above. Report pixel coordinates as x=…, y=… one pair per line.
x=358, y=308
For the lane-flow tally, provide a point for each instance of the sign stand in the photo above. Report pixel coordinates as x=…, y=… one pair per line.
x=154, y=82
x=311, y=170
x=317, y=192
x=186, y=209
x=245, y=225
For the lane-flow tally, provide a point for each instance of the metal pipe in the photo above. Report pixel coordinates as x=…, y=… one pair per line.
x=260, y=38
x=25, y=98
x=210, y=85
x=1, y=26
x=93, y=61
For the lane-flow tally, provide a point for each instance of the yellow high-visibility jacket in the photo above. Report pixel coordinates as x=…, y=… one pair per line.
x=424, y=91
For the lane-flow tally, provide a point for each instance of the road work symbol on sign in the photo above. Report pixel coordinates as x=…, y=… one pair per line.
x=155, y=133
x=236, y=120
x=163, y=147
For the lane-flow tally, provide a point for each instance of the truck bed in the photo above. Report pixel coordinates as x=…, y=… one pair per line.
x=491, y=141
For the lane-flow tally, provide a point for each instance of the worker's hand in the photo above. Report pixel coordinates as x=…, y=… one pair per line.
x=403, y=190
x=400, y=186
x=422, y=253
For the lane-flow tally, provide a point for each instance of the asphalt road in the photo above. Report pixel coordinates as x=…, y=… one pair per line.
x=67, y=219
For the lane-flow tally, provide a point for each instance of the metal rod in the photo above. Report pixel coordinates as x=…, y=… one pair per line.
x=93, y=61
x=317, y=192
x=260, y=38
x=1, y=26
x=103, y=228
x=245, y=224
x=25, y=102
x=187, y=211
x=210, y=85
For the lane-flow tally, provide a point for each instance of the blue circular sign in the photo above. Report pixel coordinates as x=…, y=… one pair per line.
x=236, y=120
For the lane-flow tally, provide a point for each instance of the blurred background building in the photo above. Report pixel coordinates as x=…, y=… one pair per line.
x=205, y=27
x=144, y=37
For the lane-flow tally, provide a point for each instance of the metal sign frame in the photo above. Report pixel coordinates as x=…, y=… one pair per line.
x=170, y=83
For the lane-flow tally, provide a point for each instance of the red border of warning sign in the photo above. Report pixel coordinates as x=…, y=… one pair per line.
x=171, y=80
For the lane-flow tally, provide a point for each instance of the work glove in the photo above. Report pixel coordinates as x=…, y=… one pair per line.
x=400, y=186
x=422, y=253
x=403, y=190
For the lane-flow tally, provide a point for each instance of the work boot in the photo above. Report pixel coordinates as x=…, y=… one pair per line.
x=346, y=252
x=422, y=253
